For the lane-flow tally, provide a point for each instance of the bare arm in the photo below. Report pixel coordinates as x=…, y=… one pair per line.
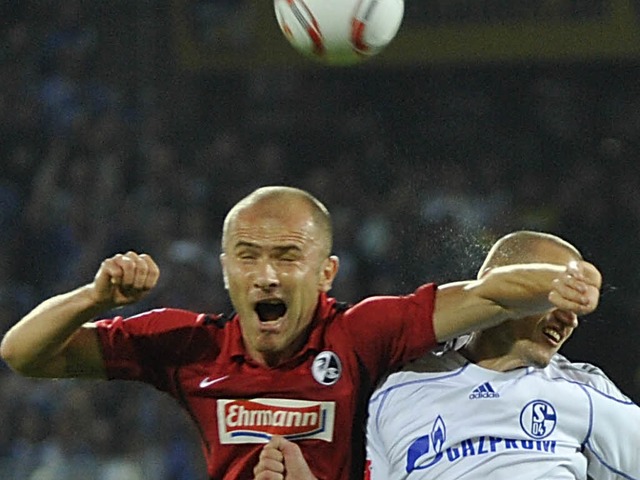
x=515, y=291
x=54, y=339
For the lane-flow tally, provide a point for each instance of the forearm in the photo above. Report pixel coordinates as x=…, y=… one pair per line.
x=43, y=333
x=513, y=292
x=51, y=341
x=518, y=290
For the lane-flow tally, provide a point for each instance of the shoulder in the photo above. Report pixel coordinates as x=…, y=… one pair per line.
x=162, y=320
x=436, y=363
x=166, y=335
x=578, y=371
x=582, y=373
x=392, y=314
x=431, y=367
x=381, y=304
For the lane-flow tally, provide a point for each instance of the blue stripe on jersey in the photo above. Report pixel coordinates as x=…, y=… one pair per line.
x=381, y=395
x=374, y=398
x=586, y=443
x=591, y=387
x=588, y=435
x=609, y=467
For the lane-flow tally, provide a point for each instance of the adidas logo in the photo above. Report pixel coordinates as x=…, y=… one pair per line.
x=484, y=391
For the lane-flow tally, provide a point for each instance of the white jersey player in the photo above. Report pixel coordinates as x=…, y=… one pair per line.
x=445, y=417
x=505, y=405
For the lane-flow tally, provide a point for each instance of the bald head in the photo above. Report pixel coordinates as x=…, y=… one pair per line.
x=529, y=247
x=279, y=200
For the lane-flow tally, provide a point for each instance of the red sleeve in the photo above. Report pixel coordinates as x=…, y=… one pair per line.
x=144, y=347
x=388, y=331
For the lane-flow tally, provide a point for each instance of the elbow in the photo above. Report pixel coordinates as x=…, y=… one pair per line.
x=11, y=356
x=6, y=351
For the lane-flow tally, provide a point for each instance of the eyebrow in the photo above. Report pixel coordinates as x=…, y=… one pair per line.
x=287, y=249
x=279, y=249
x=245, y=244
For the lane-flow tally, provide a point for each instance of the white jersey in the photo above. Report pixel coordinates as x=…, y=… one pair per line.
x=446, y=418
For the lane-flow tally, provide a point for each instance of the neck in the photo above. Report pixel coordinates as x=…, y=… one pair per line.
x=273, y=357
x=491, y=356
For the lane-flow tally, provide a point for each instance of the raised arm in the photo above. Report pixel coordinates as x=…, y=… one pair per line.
x=54, y=340
x=515, y=291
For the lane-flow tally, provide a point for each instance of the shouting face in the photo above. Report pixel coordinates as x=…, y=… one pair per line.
x=275, y=264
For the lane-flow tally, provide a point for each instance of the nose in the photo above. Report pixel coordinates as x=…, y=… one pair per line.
x=266, y=276
x=568, y=318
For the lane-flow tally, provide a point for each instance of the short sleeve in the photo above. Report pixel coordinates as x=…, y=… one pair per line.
x=387, y=331
x=144, y=346
x=612, y=448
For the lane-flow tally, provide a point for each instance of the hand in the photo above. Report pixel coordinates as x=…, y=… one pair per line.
x=281, y=459
x=124, y=279
x=577, y=289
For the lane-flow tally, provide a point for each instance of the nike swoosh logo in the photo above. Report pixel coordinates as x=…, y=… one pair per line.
x=207, y=382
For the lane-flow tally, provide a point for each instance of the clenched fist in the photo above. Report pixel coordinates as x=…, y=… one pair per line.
x=124, y=279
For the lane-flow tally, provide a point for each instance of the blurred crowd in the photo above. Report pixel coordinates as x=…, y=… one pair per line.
x=421, y=168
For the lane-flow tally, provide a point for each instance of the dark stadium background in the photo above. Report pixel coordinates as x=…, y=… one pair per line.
x=136, y=125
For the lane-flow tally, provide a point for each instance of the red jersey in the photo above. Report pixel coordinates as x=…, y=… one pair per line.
x=317, y=398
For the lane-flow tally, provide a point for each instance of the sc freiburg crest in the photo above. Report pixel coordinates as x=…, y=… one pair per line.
x=326, y=368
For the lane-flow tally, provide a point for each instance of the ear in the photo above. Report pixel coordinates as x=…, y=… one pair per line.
x=225, y=277
x=328, y=272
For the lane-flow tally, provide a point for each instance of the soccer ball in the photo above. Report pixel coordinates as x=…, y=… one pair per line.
x=339, y=31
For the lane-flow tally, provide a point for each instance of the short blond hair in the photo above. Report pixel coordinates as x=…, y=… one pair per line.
x=521, y=247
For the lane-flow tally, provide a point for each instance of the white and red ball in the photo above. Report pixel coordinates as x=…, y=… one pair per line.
x=339, y=31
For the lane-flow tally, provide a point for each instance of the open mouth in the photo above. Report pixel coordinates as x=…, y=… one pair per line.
x=270, y=310
x=552, y=334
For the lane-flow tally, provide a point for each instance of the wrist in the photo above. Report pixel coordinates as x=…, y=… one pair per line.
x=88, y=300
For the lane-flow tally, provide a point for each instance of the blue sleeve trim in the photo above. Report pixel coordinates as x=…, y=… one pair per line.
x=609, y=467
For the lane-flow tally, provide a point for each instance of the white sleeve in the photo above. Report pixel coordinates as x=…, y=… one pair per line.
x=612, y=446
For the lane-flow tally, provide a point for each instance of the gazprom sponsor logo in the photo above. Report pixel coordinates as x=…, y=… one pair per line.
x=423, y=446
x=257, y=420
x=429, y=450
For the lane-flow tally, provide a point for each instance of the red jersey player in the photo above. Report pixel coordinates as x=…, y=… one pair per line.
x=291, y=361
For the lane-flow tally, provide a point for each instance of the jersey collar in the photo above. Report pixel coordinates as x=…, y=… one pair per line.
x=324, y=311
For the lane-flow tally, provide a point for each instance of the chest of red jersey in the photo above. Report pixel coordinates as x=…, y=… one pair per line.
x=237, y=402
x=238, y=406
x=317, y=399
